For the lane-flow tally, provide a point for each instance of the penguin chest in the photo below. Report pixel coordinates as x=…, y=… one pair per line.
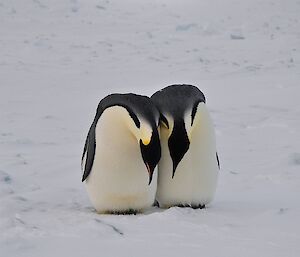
x=196, y=175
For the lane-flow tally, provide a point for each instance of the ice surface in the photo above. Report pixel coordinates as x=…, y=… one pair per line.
x=59, y=58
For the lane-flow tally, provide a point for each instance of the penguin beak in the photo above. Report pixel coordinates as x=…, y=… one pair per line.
x=150, y=172
x=146, y=141
x=146, y=134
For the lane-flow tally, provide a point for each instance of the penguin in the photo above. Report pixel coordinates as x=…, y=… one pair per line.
x=189, y=165
x=120, y=155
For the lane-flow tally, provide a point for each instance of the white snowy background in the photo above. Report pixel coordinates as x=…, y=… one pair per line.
x=58, y=58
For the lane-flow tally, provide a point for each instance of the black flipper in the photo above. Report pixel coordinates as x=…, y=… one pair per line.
x=218, y=160
x=89, y=150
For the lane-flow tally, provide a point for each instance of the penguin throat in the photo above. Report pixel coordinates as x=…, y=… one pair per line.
x=178, y=143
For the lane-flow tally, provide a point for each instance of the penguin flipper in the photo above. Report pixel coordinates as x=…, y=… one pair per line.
x=218, y=160
x=89, y=152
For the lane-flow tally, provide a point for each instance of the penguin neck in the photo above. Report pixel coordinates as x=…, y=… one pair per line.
x=203, y=131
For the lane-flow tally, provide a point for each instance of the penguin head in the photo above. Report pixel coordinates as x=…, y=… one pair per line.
x=178, y=107
x=142, y=121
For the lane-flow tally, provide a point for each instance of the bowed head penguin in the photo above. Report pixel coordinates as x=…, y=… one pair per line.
x=120, y=156
x=188, y=169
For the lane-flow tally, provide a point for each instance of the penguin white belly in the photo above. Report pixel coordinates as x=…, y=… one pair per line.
x=195, y=179
x=119, y=179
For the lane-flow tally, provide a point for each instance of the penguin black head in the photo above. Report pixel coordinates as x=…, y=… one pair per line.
x=142, y=120
x=144, y=111
x=177, y=105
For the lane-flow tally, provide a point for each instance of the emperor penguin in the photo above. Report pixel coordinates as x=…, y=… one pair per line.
x=121, y=152
x=189, y=165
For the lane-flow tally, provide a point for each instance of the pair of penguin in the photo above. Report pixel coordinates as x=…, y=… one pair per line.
x=132, y=134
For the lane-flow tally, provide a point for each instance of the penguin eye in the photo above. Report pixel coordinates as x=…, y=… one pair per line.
x=164, y=121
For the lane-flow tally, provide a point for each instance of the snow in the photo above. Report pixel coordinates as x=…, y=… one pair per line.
x=59, y=58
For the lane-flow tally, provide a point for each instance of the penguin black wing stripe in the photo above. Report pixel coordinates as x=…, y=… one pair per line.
x=84, y=149
x=218, y=161
x=89, y=151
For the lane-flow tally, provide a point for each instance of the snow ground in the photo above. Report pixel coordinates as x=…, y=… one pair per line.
x=59, y=58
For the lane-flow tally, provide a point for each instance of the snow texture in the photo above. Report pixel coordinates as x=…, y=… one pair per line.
x=58, y=58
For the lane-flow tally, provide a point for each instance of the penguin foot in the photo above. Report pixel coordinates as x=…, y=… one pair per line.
x=199, y=206
x=125, y=212
x=182, y=205
x=194, y=206
x=131, y=212
x=156, y=204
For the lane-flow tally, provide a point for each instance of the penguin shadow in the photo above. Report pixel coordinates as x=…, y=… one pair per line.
x=161, y=210
x=155, y=208
x=193, y=206
x=128, y=212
